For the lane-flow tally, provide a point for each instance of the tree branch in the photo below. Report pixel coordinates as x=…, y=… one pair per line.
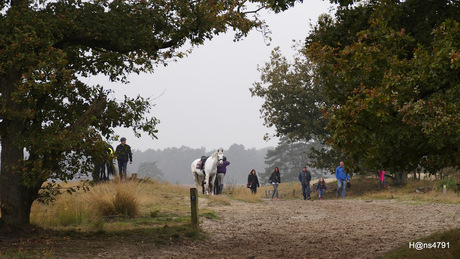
x=95, y=110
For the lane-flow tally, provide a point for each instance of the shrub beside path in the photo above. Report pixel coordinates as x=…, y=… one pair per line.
x=316, y=229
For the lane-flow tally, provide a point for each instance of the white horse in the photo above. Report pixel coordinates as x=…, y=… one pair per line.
x=210, y=168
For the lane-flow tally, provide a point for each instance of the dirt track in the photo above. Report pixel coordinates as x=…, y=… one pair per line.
x=316, y=229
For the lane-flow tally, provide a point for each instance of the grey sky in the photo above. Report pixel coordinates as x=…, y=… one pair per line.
x=206, y=100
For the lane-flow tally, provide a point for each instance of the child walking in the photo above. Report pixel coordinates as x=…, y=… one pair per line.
x=321, y=187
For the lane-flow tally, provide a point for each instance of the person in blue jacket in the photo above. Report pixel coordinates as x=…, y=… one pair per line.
x=305, y=178
x=342, y=178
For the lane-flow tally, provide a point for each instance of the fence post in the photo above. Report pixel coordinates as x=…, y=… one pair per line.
x=444, y=190
x=293, y=192
x=194, y=206
x=266, y=193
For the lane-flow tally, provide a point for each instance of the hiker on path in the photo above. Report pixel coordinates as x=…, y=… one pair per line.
x=305, y=178
x=253, y=181
x=342, y=178
x=275, y=179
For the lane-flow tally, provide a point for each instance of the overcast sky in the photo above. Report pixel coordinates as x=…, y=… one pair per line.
x=206, y=100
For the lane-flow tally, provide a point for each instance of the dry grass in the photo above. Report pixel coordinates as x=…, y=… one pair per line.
x=115, y=206
x=67, y=210
x=244, y=194
x=367, y=188
x=104, y=206
x=115, y=199
x=218, y=200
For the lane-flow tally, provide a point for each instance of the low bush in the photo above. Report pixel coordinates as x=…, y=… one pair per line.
x=450, y=182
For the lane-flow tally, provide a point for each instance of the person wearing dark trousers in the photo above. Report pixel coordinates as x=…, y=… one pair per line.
x=253, y=181
x=305, y=178
x=124, y=155
x=109, y=162
x=275, y=179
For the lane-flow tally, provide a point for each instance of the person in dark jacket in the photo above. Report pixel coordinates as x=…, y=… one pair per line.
x=305, y=178
x=253, y=181
x=221, y=171
x=109, y=162
x=124, y=155
x=275, y=179
x=321, y=187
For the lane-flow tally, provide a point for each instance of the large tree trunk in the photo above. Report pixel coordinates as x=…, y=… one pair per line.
x=401, y=178
x=15, y=197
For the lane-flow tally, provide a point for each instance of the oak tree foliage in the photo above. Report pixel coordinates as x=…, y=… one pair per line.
x=51, y=119
x=389, y=74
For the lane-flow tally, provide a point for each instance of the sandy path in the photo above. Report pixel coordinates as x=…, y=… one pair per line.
x=318, y=229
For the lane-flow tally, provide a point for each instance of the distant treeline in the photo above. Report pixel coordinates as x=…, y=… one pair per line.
x=174, y=163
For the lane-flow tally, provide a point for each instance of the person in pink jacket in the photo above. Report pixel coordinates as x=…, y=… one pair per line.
x=381, y=176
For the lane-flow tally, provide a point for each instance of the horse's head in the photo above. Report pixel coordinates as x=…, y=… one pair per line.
x=220, y=156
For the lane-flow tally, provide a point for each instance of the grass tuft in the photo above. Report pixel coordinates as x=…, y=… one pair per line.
x=244, y=194
x=115, y=199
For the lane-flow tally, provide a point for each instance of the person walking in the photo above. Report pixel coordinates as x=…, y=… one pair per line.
x=381, y=176
x=342, y=178
x=321, y=187
x=124, y=155
x=221, y=171
x=305, y=178
x=275, y=179
x=253, y=181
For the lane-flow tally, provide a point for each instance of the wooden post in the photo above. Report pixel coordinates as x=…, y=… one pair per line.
x=293, y=192
x=266, y=193
x=194, y=206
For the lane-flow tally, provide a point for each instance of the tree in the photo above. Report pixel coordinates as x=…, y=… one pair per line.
x=151, y=170
x=390, y=67
x=290, y=157
x=388, y=73
x=293, y=104
x=48, y=47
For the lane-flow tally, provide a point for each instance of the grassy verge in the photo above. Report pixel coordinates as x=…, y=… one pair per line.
x=452, y=237
x=367, y=188
x=140, y=213
x=83, y=244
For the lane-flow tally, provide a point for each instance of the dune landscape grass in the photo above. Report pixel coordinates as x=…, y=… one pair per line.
x=160, y=212
x=367, y=188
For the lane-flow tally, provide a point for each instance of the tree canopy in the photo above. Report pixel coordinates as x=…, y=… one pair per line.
x=290, y=157
x=51, y=119
x=389, y=71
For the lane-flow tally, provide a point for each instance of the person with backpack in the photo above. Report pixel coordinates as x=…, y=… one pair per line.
x=305, y=178
x=342, y=178
x=253, y=181
x=275, y=179
x=321, y=187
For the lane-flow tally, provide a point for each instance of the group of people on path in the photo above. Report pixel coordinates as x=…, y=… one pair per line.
x=104, y=168
x=305, y=179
